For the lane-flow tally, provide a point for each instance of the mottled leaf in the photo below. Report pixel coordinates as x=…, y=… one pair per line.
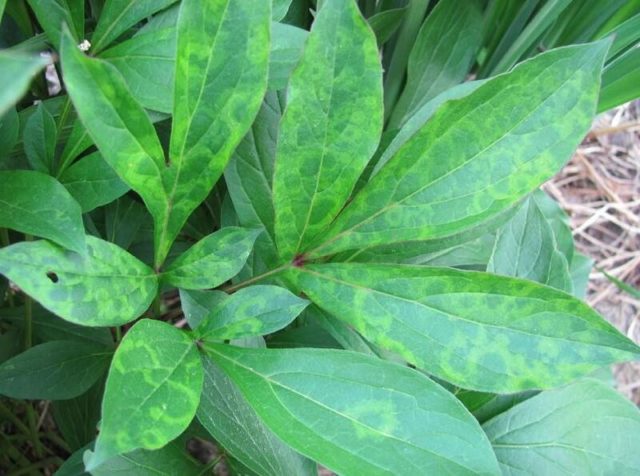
x=105, y=287
x=147, y=64
x=475, y=330
x=356, y=414
x=477, y=156
x=331, y=126
x=16, y=72
x=229, y=418
x=92, y=182
x=526, y=248
x=212, y=260
x=38, y=204
x=220, y=80
x=55, y=370
x=118, y=15
x=253, y=311
x=441, y=56
x=155, y=376
x=39, y=139
x=584, y=428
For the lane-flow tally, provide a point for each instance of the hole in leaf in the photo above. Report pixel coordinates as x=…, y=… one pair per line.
x=53, y=277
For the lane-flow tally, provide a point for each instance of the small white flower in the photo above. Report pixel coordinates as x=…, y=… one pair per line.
x=85, y=45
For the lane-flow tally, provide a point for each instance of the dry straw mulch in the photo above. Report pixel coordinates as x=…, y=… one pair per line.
x=600, y=190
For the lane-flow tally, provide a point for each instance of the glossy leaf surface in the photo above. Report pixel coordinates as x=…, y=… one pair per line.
x=105, y=287
x=212, y=260
x=155, y=376
x=252, y=311
x=331, y=126
x=357, y=414
x=221, y=78
x=37, y=204
x=586, y=427
x=478, y=156
x=229, y=418
x=55, y=370
x=475, y=330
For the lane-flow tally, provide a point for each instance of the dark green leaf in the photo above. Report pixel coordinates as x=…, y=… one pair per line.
x=54, y=370
x=441, y=57
x=212, y=260
x=356, y=414
x=196, y=305
x=39, y=138
x=16, y=72
x=229, y=418
x=485, y=406
x=38, y=204
x=118, y=15
x=620, y=80
x=155, y=376
x=624, y=36
x=221, y=78
x=331, y=126
x=478, y=156
x=475, y=330
x=92, y=182
x=9, y=131
x=105, y=287
x=74, y=466
x=287, y=43
x=77, y=419
x=147, y=64
x=51, y=15
x=171, y=460
x=526, y=248
x=125, y=220
x=252, y=311
x=385, y=24
x=584, y=428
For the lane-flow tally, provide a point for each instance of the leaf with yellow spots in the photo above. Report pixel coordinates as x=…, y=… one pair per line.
x=152, y=391
x=476, y=330
x=357, y=414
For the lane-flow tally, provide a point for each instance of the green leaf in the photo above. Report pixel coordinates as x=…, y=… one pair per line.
x=9, y=132
x=356, y=414
x=77, y=419
x=584, y=428
x=51, y=15
x=39, y=138
x=229, y=418
x=16, y=72
x=170, y=460
x=221, y=78
x=39, y=205
x=249, y=177
x=92, y=182
x=476, y=330
x=212, y=260
x=54, y=370
x=280, y=8
x=620, y=80
x=443, y=53
x=287, y=44
x=526, y=248
x=252, y=311
x=196, y=305
x=581, y=266
x=121, y=130
x=477, y=156
x=624, y=36
x=147, y=64
x=155, y=376
x=485, y=406
x=385, y=24
x=331, y=126
x=105, y=287
x=118, y=15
